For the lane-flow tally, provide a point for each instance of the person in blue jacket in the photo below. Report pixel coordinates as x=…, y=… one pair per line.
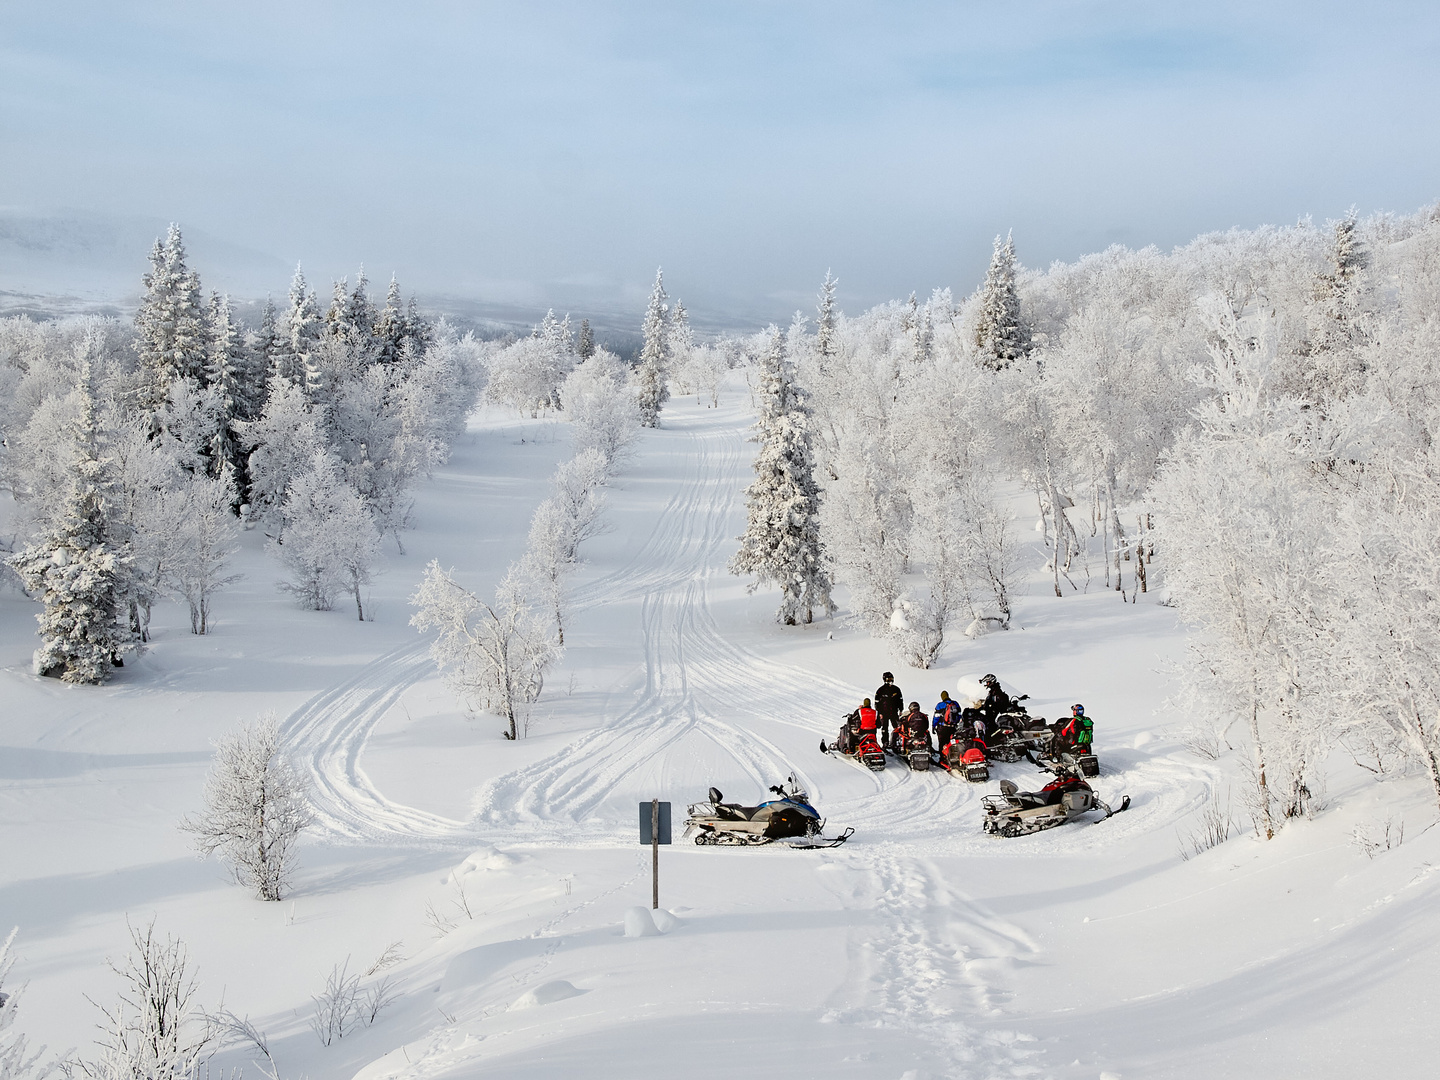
x=944, y=719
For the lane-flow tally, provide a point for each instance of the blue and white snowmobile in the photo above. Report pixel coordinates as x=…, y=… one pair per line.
x=788, y=817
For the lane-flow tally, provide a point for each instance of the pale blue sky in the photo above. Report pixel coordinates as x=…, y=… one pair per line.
x=557, y=153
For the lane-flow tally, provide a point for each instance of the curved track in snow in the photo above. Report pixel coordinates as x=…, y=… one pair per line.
x=701, y=705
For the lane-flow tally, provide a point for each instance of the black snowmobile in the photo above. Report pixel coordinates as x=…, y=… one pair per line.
x=1017, y=813
x=789, y=817
x=1016, y=734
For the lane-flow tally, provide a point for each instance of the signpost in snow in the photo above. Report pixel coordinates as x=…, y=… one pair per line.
x=655, y=830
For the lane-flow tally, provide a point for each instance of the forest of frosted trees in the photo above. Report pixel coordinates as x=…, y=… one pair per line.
x=136, y=453
x=1247, y=423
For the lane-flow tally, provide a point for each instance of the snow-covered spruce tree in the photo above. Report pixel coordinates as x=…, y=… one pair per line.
x=351, y=320
x=228, y=374
x=781, y=543
x=1001, y=334
x=652, y=374
x=299, y=331
x=495, y=656
x=257, y=803
x=826, y=316
x=585, y=346
x=77, y=569
x=391, y=330
x=172, y=340
x=328, y=542
x=267, y=349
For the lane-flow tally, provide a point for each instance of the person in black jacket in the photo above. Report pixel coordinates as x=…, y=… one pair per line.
x=996, y=700
x=888, y=703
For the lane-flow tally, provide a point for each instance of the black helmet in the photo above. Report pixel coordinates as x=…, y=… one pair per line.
x=1077, y=710
x=989, y=680
x=914, y=706
x=889, y=676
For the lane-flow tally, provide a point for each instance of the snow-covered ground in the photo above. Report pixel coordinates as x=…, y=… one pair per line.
x=920, y=948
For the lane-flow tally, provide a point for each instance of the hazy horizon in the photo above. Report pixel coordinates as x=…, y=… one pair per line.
x=515, y=160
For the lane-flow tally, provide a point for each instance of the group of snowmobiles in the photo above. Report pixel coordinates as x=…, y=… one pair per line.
x=967, y=739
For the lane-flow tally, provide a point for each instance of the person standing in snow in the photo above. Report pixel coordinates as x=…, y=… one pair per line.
x=944, y=719
x=888, y=703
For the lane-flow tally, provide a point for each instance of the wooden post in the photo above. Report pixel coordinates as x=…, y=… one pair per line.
x=655, y=854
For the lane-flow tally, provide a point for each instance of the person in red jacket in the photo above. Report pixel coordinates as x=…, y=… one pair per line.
x=868, y=718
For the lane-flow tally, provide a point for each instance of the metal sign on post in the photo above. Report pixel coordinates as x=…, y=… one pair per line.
x=655, y=830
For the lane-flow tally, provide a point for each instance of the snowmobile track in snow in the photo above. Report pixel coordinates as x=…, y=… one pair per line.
x=695, y=685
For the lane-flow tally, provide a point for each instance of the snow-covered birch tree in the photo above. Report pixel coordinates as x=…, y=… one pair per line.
x=257, y=803
x=492, y=655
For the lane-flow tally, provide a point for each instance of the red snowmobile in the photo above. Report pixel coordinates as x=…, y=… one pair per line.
x=1017, y=813
x=857, y=743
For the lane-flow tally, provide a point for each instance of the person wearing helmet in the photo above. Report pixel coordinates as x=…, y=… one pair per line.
x=997, y=702
x=916, y=726
x=1079, y=732
x=888, y=703
x=944, y=719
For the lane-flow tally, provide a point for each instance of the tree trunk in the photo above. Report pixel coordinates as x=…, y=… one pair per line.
x=1260, y=780
x=1140, y=556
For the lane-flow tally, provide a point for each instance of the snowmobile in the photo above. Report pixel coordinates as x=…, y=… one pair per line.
x=965, y=759
x=911, y=748
x=1018, y=735
x=858, y=745
x=1018, y=813
x=1086, y=764
x=788, y=817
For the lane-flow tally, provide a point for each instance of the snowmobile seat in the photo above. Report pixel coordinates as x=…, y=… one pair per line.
x=735, y=812
x=1008, y=787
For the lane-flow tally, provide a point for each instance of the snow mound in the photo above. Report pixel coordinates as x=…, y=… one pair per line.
x=638, y=923
x=544, y=994
x=486, y=858
x=665, y=921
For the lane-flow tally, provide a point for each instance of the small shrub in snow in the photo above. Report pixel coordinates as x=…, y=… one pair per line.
x=345, y=1004
x=256, y=806
x=1373, y=837
x=1216, y=826
x=16, y=1061
x=154, y=1031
